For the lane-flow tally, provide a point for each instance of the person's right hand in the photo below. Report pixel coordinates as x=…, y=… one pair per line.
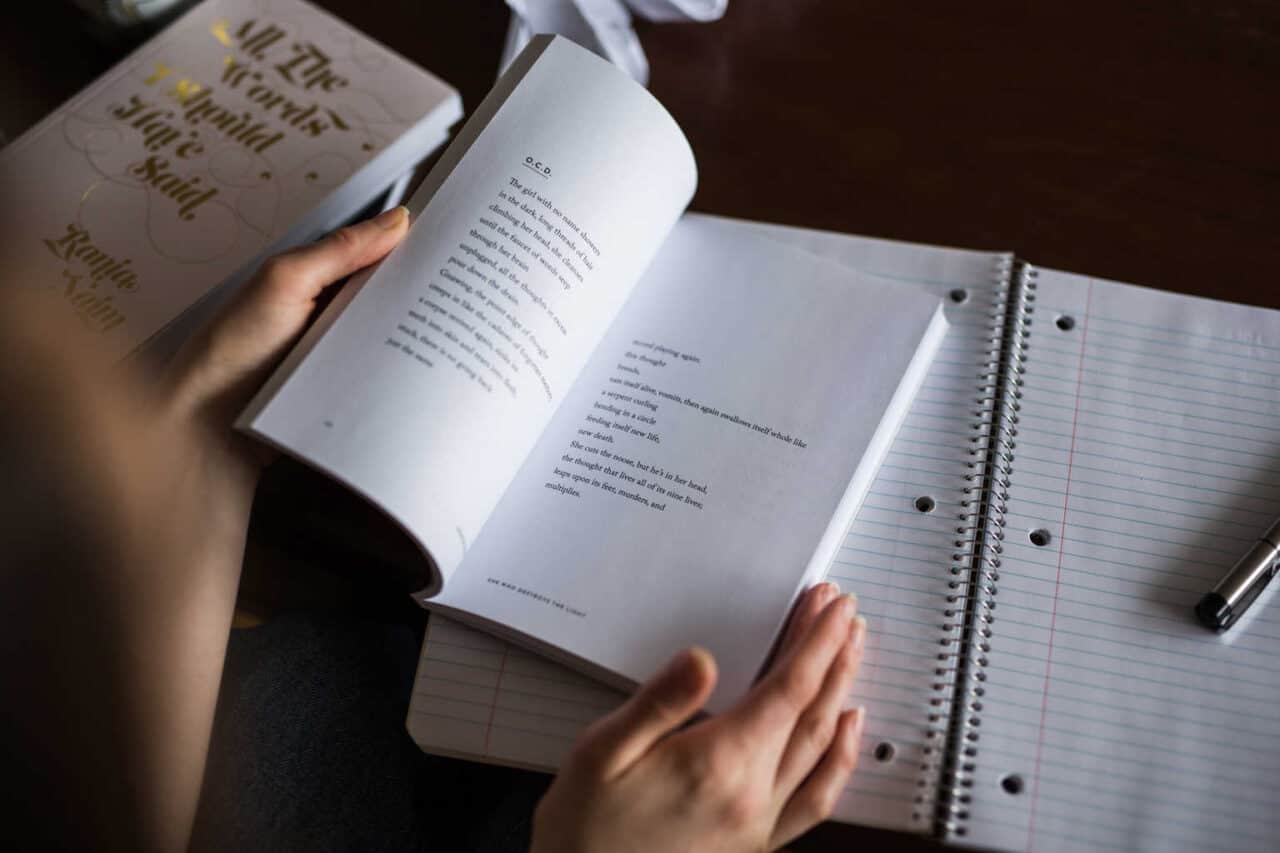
x=753, y=778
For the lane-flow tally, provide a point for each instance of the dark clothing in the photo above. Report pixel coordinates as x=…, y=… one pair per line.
x=310, y=752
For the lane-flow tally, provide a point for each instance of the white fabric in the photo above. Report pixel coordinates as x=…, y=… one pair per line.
x=602, y=26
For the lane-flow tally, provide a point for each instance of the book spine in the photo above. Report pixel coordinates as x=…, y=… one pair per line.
x=968, y=617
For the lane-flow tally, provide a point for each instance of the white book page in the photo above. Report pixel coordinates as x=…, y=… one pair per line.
x=1149, y=450
x=470, y=699
x=434, y=375
x=707, y=462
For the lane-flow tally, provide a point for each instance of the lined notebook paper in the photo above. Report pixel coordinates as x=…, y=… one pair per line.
x=1149, y=450
x=1097, y=714
x=480, y=698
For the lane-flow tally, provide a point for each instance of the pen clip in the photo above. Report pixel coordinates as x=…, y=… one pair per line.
x=1254, y=590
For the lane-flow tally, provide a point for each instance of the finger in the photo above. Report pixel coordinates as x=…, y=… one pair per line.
x=769, y=712
x=814, y=801
x=805, y=613
x=230, y=356
x=661, y=705
x=301, y=274
x=817, y=726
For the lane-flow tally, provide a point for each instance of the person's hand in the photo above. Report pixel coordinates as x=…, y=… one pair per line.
x=218, y=370
x=753, y=778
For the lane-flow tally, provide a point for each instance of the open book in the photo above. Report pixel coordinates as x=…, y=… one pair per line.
x=614, y=436
x=1084, y=461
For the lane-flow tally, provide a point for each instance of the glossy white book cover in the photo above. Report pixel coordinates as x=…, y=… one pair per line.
x=245, y=126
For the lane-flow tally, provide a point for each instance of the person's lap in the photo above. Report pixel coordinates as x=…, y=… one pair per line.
x=310, y=752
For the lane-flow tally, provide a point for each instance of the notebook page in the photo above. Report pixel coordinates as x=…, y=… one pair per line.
x=895, y=559
x=1148, y=449
x=479, y=697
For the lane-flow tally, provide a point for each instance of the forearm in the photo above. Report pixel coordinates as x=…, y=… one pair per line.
x=175, y=623
x=124, y=525
x=122, y=549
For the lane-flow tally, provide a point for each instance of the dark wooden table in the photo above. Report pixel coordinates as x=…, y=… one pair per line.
x=1134, y=141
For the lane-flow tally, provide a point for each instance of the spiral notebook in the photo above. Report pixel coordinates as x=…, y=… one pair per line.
x=1085, y=459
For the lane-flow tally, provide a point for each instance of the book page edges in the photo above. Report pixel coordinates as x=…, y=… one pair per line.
x=863, y=476
x=895, y=413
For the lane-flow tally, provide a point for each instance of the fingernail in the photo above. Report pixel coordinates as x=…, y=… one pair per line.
x=684, y=673
x=859, y=717
x=826, y=591
x=392, y=218
x=849, y=605
x=859, y=637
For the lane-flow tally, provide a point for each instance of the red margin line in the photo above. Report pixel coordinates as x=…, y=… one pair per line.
x=493, y=707
x=1057, y=584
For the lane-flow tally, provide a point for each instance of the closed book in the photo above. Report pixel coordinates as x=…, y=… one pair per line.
x=245, y=127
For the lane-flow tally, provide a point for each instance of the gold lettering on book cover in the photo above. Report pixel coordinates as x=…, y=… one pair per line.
x=270, y=86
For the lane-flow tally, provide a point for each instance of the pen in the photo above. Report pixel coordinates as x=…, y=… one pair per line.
x=1227, y=602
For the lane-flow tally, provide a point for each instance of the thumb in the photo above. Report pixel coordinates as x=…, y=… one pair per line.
x=301, y=274
x=228, y=358
x=662, y=704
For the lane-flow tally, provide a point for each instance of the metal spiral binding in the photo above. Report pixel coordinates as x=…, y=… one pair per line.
x=931, y=788
x=960, y=671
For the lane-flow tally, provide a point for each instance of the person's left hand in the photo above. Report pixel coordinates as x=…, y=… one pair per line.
x=216, y=373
